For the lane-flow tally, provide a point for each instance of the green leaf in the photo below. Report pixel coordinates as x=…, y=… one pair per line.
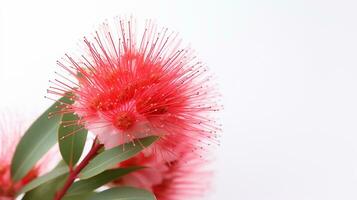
x=99, y=180
x=123, y=193
x=71, y=138
x=56, y=172
x=83, y=196
x=111, y=157
x=38, y=139
x=46, y=191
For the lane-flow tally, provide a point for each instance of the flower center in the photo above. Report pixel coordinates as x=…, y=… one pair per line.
x=124, y=120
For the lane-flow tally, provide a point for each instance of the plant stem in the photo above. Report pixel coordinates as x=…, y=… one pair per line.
x=73, y=174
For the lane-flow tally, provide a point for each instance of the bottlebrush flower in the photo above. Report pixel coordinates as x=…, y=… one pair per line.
x=128, y=86
x=183, y=178
x=10, y=134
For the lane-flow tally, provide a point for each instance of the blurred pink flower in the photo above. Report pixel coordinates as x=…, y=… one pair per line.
x=11, y=130
x=186, y=177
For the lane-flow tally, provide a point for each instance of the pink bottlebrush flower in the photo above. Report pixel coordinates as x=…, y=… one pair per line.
x=183, y=178
x=11, y=131
x=128, y=86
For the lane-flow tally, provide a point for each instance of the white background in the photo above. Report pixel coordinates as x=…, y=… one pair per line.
x=287, y=71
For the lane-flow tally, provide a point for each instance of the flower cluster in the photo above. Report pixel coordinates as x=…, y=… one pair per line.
x=128, y=86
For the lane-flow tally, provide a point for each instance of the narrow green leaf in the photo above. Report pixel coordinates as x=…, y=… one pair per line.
x=123, y=193
x=87, y=185
x=38, y=139
x=46, y=191
x=71, y=138
x=56, y=172
x=111, y=157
